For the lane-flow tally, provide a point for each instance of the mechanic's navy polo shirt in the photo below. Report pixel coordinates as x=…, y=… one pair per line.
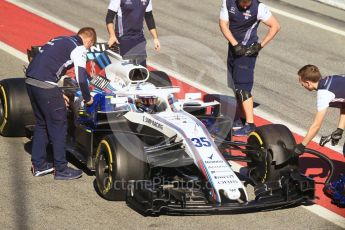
x=55, y=57
x=331, y=92
x=243, y=24
x=130, y=17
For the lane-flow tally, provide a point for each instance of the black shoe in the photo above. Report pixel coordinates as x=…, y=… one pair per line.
x=67, y=174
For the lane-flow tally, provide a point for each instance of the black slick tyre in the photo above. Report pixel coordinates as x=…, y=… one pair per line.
x=15, y=108
x=263, y=168
x=119, y=158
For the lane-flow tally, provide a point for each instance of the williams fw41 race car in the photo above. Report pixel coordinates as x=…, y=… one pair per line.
x=162, y=154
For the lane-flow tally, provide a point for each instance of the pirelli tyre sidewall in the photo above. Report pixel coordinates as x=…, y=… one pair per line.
x=262, y=168
x=119, y=158
x=15, y=108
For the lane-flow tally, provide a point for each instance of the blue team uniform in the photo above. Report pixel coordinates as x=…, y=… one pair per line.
x=129, y=26
x=243, y=24
x=331, y=92
x=46, y=98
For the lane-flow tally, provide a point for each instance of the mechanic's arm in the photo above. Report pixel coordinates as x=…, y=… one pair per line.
x=113, y=8
x=82, y=77
x=111, y=27
x=274, y=28
x=151, y=25
x=315, y=127
x=224, y=24
x=224, y=27
x=78, y=56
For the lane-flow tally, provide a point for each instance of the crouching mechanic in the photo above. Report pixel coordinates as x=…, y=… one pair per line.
x=330, y=93
x=239, y=21
x=129, y=31
x=49, y=103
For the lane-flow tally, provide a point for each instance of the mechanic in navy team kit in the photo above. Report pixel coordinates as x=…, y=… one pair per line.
x=128, y=29
x=239, y=21
x=330, y=93
x=49, y=103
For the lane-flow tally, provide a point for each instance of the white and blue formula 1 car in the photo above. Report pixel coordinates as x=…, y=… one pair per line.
x=164, y=155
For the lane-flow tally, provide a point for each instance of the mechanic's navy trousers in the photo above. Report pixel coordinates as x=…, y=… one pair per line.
x=240, y=71
x=51, y=125
x=134, y=47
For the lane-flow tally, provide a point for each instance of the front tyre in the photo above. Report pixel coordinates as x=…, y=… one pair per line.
x=272, y=158
x=119, y=158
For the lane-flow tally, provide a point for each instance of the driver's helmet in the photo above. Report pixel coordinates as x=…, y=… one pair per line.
x=146, y=100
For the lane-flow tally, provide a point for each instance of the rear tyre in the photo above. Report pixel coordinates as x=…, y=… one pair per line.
x=15, y=108
x=263, y=168
x=159, y=79
x=119, y=158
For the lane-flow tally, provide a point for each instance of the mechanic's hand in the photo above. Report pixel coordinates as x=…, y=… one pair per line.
x=239, y=49
x=112, y=41
x=157, y=44
x=324, y=140
x=253, y=49
x=90, y=102
x=336, y=136
x=298, y=150
x=66, y=100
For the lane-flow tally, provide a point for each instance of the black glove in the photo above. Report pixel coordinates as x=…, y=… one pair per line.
x=239, y=49
x=298, y=150
x=253, y=49
x=336, y=136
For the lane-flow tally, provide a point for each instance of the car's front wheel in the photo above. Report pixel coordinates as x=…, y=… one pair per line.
x=119, y=158
x=273, y=156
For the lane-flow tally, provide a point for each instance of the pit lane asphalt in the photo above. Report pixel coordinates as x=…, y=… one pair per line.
x=39, y=203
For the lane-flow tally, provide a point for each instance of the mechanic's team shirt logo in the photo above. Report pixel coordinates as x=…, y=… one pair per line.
x=144, y=2
x=232, y=10
x=129, y=2
x=247, y=14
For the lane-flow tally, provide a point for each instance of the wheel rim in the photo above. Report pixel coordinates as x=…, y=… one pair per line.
x=104, y=171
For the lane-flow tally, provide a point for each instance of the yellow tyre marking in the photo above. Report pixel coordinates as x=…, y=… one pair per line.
x=255, y=134
x=257, y=137
x=110, y=165
x=5, y=109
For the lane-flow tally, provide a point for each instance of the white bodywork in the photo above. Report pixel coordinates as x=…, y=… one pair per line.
x=199, y=145
x=197, y=141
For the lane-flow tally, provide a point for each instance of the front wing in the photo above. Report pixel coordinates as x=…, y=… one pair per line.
x=152, y=199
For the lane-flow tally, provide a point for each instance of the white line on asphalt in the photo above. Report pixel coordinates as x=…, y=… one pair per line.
x=307, y=21
x=316, y=209
x=14, y=52
x=327, y=214
x=337, y=3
